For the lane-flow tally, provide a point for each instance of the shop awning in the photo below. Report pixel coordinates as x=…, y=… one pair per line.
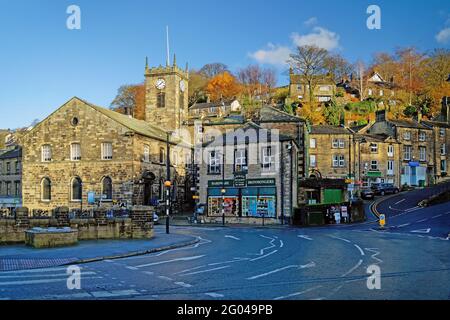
x=374, y=174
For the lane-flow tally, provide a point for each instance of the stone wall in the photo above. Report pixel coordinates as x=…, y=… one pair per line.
x=139, y=225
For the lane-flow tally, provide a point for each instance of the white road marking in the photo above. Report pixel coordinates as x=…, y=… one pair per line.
x=297, y=293
x=214, y=295
x=348, y=241
x=170, y=261
x=191, y=269
x=149, y=273
x=265, y=256
x=28, y=282
x=404, y=225
x=119, y=293
x=309, y=265
x=353, y=269
x=131, y=268
x=438, y=216
x=360, y=250
x=204, y=271
x=375, y=252
x=165, y=278
x=423, y=220
x=232, y=237
x=424, y=231
x=401, y=201
x=227, y=262
x=305, y=237
x=281, y=244
x=184, y=285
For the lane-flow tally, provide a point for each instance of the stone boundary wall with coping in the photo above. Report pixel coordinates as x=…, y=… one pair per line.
x=138, y=225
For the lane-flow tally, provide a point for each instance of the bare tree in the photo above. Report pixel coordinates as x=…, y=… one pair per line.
x=310, y=63
x=338, y=67
x=213, y=69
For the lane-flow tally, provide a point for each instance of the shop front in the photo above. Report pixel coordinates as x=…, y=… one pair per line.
x=414, y=174
x=255, y=198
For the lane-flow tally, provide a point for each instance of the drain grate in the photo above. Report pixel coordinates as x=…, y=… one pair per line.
x=25, y=264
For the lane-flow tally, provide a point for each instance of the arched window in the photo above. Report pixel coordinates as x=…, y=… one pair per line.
x=160, y=100
x=46, y=189
x=107, y=188
x=77, y=189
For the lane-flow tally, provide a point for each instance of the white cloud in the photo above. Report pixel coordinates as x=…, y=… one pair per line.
x=279, y=55
x=273, y=54
x=320, y=37
x=443, y=36
x=311, y=22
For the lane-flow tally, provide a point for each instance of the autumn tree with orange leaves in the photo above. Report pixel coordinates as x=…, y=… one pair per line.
x=223, y=86
x=130, y=100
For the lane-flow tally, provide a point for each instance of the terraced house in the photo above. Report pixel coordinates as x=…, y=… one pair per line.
x=417, y=160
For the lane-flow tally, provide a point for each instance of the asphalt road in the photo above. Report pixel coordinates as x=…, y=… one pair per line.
x=272, y=264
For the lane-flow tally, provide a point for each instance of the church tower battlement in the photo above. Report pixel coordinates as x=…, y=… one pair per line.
x=166, y=95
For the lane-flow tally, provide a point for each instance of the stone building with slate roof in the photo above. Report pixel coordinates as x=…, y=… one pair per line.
x=11, y=177
x=83, y=153
x=256, y=168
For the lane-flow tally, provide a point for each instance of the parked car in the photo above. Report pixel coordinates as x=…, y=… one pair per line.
x=381, y=189
x=367, y=194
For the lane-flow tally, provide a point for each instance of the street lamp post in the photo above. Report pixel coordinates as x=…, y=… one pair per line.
x=168, y=184
x=223, y=191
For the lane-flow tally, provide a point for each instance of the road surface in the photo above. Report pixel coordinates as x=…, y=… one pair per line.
x=413, y=255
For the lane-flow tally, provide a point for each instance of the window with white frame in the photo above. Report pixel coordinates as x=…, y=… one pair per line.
x=407, y=135
x=374, y=165
x=374, y=148
x=338, y=144
x=313, y=161
x=370, y=92
x=146, y=153
x=390, y=167
x=240, y=160
x=443, y=149
x=381, y=93
x=442, y=132
x=107, y=151
x=312, y=143
x=423, y=153
x=46, y=153
x=422, y=136
x=407, y=152
x=390, y=150
x=75, y=152
x=268, y=158
x=338, y=161
x=214, y=162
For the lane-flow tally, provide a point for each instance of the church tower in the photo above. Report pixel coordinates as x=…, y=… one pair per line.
x=166, y=97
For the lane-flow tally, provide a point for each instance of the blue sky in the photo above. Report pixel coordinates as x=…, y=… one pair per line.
x=43, y=64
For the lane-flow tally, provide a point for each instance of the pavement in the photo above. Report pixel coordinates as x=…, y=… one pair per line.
x=350, y=262
x=21, y=257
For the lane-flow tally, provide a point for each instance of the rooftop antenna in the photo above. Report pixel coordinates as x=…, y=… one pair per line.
x=168, y=46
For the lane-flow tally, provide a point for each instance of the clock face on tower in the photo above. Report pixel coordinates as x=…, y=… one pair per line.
x=160, y=84
x=182, y=86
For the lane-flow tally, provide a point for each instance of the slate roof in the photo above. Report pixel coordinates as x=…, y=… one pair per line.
x=439, y=124
x=324, y=129
x=407, y=124
x=271, y=114
x=11, y=154
x=249, y=125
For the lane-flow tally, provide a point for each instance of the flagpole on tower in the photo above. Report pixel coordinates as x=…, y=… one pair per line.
x=168, y=46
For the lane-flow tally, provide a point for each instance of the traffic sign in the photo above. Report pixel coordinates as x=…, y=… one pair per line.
x=382, y=220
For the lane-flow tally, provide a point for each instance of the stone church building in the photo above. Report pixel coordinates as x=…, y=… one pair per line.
x=83, y=154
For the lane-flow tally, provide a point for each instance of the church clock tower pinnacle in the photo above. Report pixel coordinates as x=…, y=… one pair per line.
x=166, y=95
